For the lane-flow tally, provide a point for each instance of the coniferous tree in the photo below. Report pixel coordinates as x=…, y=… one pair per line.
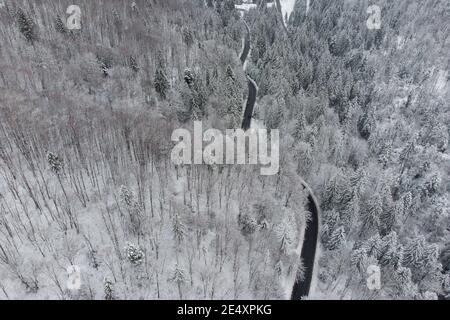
x=359, y=260
x=134, y=254
x=371, y=215
x=285, y=236
x=108, y=290
x=247, y=224
x=55, y=162
x=337, y=239
x=233, y=100
x=420, y=256
x=133, y=64
x=126, y=196
x=161, y=83
x=26, y=25
x=59, y=25
x=178, y=229
x=391, y=252
x=179, y=277
x=366, y=124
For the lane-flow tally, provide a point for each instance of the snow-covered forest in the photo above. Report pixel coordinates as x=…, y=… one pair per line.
x=92, y=207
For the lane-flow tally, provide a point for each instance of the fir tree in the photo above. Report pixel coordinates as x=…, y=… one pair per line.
x=373, y=246
x=403, y=283
x=108, y=290
x=193, y=97
x=126, y=197
x=407, y=202
x=26, y=25
x=358, y=181
x=331, y=192
x=300, y=126
x=188, y=77
x=188, y=37
x=233, y=100
x=285, y=235
x=179, y=277
x=133, y=64
x=366, y=125
x=59, y=25
x=371, y=216
x=391, y=251
x=161, y=83
x=133, y=207
x=134, y=254
x=351, y=211
x=420, y=255
x=247, y=224
x=55, y=162
x=337, y=239
x=178, y=228
x=359, y=260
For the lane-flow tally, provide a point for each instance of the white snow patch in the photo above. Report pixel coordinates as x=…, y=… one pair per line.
x=287, y=7
x=245, y=7
x=441, y=81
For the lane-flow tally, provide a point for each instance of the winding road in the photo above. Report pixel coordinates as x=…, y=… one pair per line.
x=302, y=287
x=252, y=87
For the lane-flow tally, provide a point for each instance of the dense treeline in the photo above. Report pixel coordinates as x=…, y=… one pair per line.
x=367, y=113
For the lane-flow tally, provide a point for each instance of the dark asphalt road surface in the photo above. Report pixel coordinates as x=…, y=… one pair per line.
x=252, y=89
x=250, y=105
x=302, y=288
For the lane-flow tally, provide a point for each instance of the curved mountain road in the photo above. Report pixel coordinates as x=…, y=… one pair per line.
x=252, y=87
x=302, y=287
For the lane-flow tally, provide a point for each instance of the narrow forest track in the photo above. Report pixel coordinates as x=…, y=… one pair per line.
x=301, y=287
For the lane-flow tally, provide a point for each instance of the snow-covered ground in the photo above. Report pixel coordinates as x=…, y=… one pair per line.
x=242, y=8
x=287, y=7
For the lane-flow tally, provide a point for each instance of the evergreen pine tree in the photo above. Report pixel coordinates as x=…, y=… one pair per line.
x=420, y=256
x=366, y=125
x=26, y=25
x=161, y=83
x=404, y=286
x=133, y=64
x=351, y=211
x=373, y=246
x=188, y=37
x=300, y=126
x=108, y=290
x=337, y=239
x=59, y=25
x=285, y=235
x=126, y=196
x=371, y=216
x=247, y=224
x=188, y=77
x=55, y=162
x=359, y=260
x=179, y=277
x=178, y=229
x=358, y=181
x=134, y=254
x=233, y=100
x=391, y=251
x=193, y=97
x=331, y=192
